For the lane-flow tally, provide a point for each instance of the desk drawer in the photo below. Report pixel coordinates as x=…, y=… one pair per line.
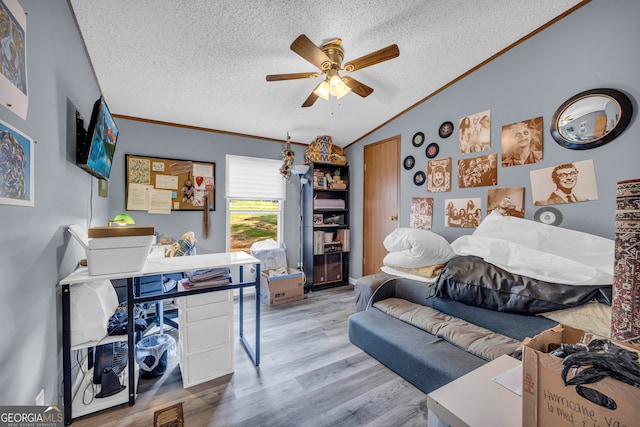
x=206, y=334
x=207, y=365
x=207, y=298
x=203, y=312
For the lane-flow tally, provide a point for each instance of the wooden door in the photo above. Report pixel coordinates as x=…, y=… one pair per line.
x=380, y=200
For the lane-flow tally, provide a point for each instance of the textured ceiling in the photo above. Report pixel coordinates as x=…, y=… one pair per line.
x=203, y=63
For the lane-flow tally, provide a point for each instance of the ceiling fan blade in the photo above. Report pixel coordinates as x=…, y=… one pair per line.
x=312, y=53
x=357, y=87
x=310, y=100
x=373, y=58
x=292, y=76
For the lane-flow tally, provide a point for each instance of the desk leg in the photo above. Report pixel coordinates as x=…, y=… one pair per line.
x=131, y=341
x=254, y=354
x=66, y=353
x=257, y=293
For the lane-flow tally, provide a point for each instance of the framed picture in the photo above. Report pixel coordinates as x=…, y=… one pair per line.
x=16, y=168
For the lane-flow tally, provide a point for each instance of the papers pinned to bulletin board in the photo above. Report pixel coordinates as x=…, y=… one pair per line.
x=160, y=185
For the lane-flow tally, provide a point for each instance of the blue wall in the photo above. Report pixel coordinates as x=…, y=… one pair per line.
x=593, y=47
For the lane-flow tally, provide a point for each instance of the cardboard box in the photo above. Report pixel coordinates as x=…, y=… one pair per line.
x=281, y=289
x=546, y=401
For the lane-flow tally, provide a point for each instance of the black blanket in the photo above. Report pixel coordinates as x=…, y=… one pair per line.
x=473, y=281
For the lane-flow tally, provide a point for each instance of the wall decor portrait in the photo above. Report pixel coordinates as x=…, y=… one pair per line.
x=565, y=183
x=475, y=132
x=13, y=54
x=421, y=213
x=439, y=175
x=466, y=213
x=522, y=142
x=16, y=167
x=506, y=201
x=478, y=171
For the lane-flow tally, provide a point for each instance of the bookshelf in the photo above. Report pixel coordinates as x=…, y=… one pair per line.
x=326, y=233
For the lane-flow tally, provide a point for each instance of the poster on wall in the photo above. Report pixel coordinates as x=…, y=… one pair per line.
x=421, y=213
x=565, y=183
x=439, y=175
x=13, y=58
x=16, y=167
x=506, y=201
x=475, y=132
x=522, y=142
x=478, y=171
x=465, y=213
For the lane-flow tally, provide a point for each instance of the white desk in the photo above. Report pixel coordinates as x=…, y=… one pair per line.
x=159, y=266
x=475, y=400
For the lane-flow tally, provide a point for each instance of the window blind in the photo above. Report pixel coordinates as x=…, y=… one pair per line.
x=254, y=178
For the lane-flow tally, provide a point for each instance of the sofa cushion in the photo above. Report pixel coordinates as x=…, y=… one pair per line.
x=426, y=361
x=472, y=338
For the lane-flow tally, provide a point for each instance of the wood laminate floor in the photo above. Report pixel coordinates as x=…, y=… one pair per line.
x=309, y=375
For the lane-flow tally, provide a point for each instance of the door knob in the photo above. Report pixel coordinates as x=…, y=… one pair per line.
x=393, y=218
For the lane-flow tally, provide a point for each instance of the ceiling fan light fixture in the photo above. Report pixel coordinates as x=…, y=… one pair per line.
x=342, y=89
x=323, y=90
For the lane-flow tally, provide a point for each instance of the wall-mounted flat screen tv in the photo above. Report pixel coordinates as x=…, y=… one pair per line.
x=96, y=145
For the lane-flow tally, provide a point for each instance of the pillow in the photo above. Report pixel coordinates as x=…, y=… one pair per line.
x=594, y=317
x=414, y=247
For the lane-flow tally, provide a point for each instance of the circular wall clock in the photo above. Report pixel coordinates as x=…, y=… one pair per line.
x=432, y=150
x=418, y=139
x=409, y=162
x=419, y=178
x=548, y=215
x=446, y=129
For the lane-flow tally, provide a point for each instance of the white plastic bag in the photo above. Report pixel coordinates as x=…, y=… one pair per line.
x=271, y=254
x=92, y=304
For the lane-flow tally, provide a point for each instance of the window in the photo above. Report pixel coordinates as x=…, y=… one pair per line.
x=255, y=192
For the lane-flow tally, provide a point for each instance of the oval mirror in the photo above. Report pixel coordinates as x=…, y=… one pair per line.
x=591, y=119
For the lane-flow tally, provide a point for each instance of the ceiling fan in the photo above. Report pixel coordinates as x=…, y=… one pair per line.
x=328, y=58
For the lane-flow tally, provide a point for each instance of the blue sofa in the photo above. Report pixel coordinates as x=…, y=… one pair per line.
x=425, y=360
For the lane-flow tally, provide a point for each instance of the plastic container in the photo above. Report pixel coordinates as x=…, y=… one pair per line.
x=152, y=354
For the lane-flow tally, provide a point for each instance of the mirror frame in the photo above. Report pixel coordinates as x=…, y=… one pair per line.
x=626, y=111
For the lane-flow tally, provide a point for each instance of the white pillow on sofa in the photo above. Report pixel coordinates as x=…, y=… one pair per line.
x=414, y=247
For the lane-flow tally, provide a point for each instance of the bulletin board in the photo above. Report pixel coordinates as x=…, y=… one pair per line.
x=161, y=185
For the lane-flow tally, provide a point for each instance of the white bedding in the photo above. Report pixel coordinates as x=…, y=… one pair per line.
x=414, y=248
x=540, y=251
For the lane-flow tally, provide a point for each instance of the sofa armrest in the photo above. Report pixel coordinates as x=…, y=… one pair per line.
x=398, y=287
x=366, y=286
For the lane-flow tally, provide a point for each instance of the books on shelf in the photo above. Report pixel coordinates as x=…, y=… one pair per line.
x=343, y=236
x=340, y=242
x=318, y=242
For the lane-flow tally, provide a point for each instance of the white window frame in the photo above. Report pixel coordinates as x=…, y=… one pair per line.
x=259, y=170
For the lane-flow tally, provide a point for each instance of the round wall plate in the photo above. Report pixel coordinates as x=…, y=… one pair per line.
x=419, y=178
x=432, y=150
x=446, y=129
x=418, y=139
x=409, y=162
x=548, y=215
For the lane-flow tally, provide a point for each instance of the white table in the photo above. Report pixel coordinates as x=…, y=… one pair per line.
x=476, y=400
x=155, y=266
